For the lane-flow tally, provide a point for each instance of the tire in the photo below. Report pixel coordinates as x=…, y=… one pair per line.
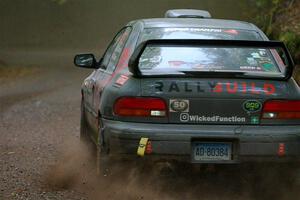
x=84, y=131
x=103, y=162
x=98, y=155
x=110, y=165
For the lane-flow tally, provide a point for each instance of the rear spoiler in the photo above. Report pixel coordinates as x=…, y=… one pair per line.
x=134, y=59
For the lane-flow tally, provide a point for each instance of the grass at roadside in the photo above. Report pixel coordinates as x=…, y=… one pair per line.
x=8, y=72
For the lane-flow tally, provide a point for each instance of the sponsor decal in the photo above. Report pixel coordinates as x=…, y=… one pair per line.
x=251, y=68
x=252, y=106
x=215, y=87
x=254, y=120
x=268, y=66
x=232, y=31
x=251, y=61
x=179, y=105
x=186, y=117
x=176, y=63
x=263, y=52
x=232, y=88
x=255, y=55
x=121, y=80
x=210, y=30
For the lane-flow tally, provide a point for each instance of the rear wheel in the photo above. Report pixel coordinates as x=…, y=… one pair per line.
x=84, y=131
x=111, y=165
x=103, y=162
x=118, y=167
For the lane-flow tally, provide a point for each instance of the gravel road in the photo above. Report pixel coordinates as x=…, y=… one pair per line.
x=41, y=157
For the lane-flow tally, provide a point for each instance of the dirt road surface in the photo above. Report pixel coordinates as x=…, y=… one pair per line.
x=41, y=156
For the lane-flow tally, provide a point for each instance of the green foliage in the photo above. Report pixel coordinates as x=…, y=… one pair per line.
x=262, y=3
x=292, y=40
x=267, y=10
x=267, y=20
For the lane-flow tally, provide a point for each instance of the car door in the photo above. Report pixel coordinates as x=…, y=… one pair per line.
x=104, y=74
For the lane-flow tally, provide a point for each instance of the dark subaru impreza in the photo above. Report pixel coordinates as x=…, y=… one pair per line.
x=192, y=88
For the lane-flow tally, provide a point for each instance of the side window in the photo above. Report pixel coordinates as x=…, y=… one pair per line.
x=114, y=59
x=110, y=49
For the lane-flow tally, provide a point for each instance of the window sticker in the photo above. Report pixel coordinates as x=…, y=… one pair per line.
x=250, y=68
x=268, y=66
x=176, y=63
x=263, y=53
x=210, y=67
x=154, y=59
x=232, y=31
x=211, y=30
x=251, y=61
x=255, y=55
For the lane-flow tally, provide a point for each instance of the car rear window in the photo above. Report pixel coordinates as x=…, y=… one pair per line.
x=198, y=33
x=170, y=59
x=176, y=60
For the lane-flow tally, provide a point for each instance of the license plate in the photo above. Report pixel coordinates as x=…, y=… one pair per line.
x=212, y=151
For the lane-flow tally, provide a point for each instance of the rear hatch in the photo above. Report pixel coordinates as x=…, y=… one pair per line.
x=213, y=81
x=214, y=101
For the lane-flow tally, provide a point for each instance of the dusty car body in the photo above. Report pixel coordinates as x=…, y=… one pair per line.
x=179, y=87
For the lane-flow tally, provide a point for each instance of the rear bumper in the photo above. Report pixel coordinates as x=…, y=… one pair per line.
x=250, y=143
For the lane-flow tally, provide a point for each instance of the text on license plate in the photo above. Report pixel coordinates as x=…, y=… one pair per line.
x=212, y=151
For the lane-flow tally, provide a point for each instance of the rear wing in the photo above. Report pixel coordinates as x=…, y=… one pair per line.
x=135, y=58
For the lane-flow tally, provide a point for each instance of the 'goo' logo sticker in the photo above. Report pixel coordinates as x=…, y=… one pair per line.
x=252, y=106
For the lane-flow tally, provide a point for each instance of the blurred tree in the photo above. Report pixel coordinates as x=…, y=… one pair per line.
x=275, y=20
x=279, y=19
x=268, y=9
x=60, y=2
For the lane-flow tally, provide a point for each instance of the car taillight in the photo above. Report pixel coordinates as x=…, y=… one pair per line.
x=140, y=107
x=281, y=109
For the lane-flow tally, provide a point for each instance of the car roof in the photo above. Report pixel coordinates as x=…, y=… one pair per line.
x=195, y=23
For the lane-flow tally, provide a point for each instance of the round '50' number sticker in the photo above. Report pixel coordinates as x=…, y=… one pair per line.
x=179, y=105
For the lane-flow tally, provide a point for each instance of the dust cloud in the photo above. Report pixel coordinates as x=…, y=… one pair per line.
x=45, y=106
x=145, y=179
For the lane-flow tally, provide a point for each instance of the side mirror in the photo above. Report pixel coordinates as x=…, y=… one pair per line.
x=85, y=61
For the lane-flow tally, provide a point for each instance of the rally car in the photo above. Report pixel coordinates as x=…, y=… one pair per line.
x=193, y=88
